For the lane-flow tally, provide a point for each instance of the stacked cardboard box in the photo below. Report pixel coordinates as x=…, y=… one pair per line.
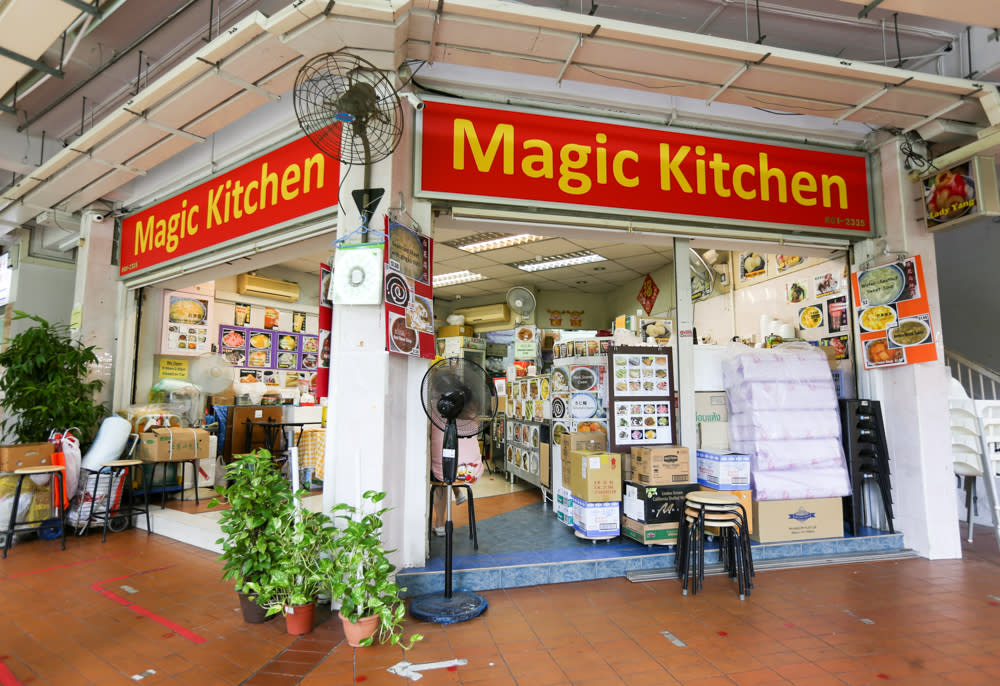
x=653, y=500
x=593, y=478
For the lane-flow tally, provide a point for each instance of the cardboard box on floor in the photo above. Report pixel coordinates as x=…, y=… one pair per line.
x=661, y=465
x=797, y=520
x=664, y=533
x=166, y=444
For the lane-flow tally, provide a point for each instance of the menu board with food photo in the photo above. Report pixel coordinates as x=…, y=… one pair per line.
x=893, y=315
x=641, y=396
x=409, y=295
x=275, y=350
x=642, y=423
x=641, y=373
x=186, y=322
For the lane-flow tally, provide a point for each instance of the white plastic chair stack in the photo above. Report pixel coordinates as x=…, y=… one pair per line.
x=971, y=453
x=989, y=414
x=965, y=452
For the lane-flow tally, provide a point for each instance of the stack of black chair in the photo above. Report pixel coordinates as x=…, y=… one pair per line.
x=863, y=434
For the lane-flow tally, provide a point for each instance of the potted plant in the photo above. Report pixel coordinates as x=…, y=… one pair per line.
x=259, y=502
x=364, y=582
x=46, y=383
x=301, y=570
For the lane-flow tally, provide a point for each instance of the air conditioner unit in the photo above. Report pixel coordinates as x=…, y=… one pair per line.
x=248, y=284
x=484, y=314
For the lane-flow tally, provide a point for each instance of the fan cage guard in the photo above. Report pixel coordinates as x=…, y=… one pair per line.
x=442, y=376
x=347, y=108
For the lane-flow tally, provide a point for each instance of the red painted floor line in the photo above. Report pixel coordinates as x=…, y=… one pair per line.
x=140, y=610
x=68, y=564
x=7, y=677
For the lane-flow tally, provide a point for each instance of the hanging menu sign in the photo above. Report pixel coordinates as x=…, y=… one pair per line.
x=893, y=315
x=409, y=295
x=640, y=381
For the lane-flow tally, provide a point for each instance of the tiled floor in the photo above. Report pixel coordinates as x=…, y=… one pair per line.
x=150, y=610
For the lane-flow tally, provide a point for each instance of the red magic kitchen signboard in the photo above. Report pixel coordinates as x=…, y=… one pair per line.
x=505, y=156
x=291, y=181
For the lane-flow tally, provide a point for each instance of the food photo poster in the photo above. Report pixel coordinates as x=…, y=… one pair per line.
x=186, y=323
x=893, y=316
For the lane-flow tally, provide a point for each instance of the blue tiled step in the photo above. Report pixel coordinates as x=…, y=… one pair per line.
x=529, y=547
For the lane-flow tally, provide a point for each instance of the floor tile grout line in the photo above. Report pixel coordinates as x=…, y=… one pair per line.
x=319, y=659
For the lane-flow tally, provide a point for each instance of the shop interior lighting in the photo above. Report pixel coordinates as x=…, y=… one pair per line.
x=556, y=261
x=452, y=278
x=481, y=242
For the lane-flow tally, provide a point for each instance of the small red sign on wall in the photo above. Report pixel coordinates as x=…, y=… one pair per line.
x=647, y=294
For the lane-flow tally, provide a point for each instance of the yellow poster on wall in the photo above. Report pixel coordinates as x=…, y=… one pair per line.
x=173, y=369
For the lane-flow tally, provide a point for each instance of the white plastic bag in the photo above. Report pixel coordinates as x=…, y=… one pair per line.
x=71, y=452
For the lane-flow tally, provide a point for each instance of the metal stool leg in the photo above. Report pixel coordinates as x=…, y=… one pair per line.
x=145, y=495
x=13, y=516
x=107, y=501
x=62, y=510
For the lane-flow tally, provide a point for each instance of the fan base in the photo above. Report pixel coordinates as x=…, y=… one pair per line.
x=460, y=607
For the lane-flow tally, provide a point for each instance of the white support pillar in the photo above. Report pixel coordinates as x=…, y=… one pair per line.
x=684, y=345
x=96, y=293
x=914, y=397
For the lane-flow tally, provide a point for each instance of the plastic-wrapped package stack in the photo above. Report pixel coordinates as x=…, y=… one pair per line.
x=784, y=415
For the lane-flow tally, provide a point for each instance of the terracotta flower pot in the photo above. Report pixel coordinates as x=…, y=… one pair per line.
x=299, y=618
x=252, y=612
x=355, y=633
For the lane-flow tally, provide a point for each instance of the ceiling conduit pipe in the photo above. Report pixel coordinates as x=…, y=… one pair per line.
x=114, y=60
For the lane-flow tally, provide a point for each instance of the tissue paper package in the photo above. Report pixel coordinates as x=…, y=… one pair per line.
x=793, y=365
x=794, y=484
x=792, y=454
x=768, y=395
x=784, y=414
x=781, y=424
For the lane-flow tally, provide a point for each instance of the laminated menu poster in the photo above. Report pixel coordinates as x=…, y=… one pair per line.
x=186, y=321
x=409, y=295
x=893, y=315
x=263, y=349
x=640, y=383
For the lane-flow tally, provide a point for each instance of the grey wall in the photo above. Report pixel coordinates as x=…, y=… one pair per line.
x=968, y=261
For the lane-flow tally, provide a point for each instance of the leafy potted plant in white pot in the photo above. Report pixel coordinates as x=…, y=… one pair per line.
x=363, y=581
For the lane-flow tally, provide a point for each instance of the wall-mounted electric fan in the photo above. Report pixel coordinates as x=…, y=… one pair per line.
x=457, y=396
x=521, y=302
x=350, y=111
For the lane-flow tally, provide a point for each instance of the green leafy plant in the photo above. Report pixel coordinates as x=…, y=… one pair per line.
x=364, y=581
x=45, y=383
x=260, y=503
x=303, y=566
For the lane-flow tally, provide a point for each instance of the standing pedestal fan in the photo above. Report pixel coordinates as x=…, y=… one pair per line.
x=457, y=396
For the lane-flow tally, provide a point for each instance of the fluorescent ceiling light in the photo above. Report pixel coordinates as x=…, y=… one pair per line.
x=452, y=278
x=503, y=242
x=556, y=261
x=492, y=240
